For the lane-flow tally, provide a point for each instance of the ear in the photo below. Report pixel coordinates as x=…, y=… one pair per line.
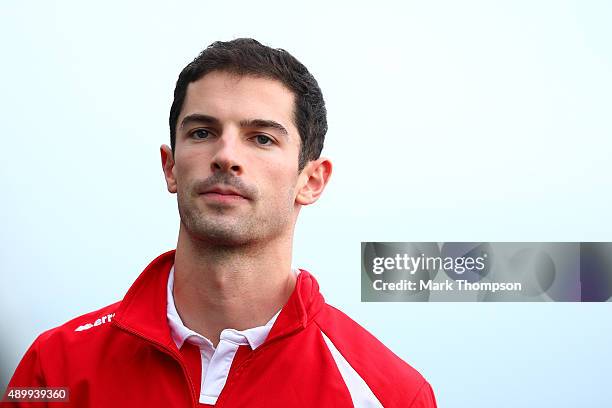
x=167, y=159
x=312, y=181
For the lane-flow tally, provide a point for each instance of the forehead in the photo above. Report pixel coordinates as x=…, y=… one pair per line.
x=231, y=97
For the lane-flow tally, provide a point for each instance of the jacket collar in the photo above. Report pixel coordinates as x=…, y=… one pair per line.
x=143, y=310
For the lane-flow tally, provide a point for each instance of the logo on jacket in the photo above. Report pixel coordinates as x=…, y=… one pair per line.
x=98, y=322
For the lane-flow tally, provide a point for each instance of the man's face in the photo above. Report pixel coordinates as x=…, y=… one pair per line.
x=235, y=167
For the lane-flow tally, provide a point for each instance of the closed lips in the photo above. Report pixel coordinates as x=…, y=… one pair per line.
x=223, y=191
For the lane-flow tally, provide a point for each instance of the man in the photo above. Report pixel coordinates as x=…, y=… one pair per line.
x=223, y=320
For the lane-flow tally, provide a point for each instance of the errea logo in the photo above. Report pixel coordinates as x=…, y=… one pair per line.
x=98, y=322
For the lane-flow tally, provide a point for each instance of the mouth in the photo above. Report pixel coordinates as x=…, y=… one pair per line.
x=222, y=194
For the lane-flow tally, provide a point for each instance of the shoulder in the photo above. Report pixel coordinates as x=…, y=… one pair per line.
x=81, y=329
x=393, y=381
x=87, y=321
x=51, y=354
x=354, y=341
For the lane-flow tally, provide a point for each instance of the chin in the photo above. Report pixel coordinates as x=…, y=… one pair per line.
x=220, y=234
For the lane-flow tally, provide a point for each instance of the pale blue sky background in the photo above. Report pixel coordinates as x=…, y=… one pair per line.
x=448, y=121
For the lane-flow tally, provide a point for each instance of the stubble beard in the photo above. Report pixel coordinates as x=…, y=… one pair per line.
x=230, y=227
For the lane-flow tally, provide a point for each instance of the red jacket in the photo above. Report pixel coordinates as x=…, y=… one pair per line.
x=123, y=356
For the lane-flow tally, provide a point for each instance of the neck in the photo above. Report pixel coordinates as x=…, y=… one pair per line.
x=216, y=288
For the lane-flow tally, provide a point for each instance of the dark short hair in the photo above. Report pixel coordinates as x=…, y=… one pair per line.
x=248, y=57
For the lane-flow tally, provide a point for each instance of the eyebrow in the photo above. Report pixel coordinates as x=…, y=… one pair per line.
x=263, y=124
x=199, y=118
x=245, y=123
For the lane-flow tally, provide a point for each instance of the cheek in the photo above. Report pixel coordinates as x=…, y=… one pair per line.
x=183, y=176
x=187, y=161
x=286, y=187
x=273, y=179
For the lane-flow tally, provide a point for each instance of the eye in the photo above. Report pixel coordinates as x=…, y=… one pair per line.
x=263, y=140
x=200, y=134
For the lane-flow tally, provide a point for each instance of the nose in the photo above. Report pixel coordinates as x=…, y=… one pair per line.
x=226, y=157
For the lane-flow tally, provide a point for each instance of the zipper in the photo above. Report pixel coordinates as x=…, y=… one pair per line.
x=168, y=351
